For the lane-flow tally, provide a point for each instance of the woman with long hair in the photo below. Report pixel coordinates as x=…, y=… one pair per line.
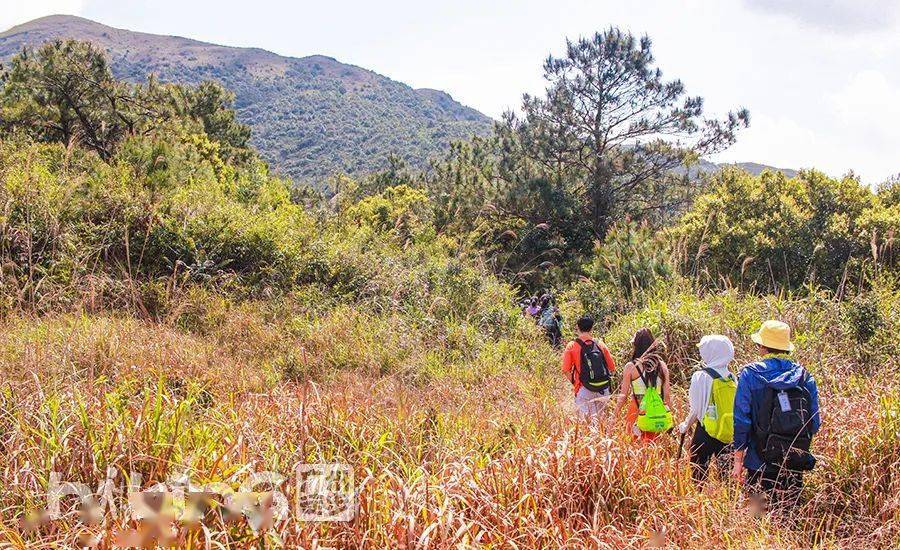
x=645, y=369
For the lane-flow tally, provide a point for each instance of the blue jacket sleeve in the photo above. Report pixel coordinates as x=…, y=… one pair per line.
x=742, y=421
x=814, y=405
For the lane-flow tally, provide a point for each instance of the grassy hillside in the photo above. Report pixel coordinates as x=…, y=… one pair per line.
x=311, y=117
x=448, y=449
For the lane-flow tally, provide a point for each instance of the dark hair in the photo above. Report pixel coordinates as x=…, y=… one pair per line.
x=546, y=301
x=585, y=323
x=646, y=359
x=534, y=301
x=643, y=340
x=773, y=350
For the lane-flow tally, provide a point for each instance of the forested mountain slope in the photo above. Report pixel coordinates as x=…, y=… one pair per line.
x=310, y=116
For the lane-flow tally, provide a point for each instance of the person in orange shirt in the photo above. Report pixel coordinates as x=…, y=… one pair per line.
x=588, y=364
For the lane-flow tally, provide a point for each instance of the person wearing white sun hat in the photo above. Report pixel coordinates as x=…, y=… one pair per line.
x=776, y=414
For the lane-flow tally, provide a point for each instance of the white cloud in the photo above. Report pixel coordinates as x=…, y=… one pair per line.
x=844, y=16
x=868, y=103
x=16, y=12
x=856, y=129
x=868, y=117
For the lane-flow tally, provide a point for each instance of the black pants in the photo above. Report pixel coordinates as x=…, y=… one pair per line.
x=554, y=335
x=704, y=448
x=779, y=486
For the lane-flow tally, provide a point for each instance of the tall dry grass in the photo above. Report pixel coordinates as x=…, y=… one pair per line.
x=448, y=448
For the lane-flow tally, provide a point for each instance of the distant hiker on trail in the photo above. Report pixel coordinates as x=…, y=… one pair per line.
x=711, y=397
x=533, y=308
x=776, y=414
x=588, y=364
x=646, y=390
x=551, y=321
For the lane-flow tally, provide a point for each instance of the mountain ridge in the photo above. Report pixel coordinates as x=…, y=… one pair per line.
x=311, y=116
x=754, y=168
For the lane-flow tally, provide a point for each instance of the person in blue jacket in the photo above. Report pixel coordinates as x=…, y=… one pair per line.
x=774, y=371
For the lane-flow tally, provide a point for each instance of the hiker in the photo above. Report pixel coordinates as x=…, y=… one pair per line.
x=776, y=414
x=645, y=388
x=533, y=309
x=551, y=321
x=588, y=364
x=711, y=399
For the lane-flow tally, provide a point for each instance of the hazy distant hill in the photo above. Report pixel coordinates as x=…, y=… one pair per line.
x=707, y=167
x=311, y=116
x=756, y=168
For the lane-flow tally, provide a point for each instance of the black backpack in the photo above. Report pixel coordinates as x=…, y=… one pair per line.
x=783, y=427
x=594, y=372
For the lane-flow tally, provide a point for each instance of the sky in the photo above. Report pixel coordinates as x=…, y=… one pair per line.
x=821, y=78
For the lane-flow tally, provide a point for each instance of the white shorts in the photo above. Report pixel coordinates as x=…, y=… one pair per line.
x=590, y=403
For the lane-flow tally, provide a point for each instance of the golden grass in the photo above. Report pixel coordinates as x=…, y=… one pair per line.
x=450, y=459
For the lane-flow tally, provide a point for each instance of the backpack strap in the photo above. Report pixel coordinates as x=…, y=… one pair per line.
x=588, y=347
x=640, y=373
x=804, y=380
x=712, y=373
x=583, y=345
x=646, y=379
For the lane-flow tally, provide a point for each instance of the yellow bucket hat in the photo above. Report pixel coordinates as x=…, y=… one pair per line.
x=774, y=335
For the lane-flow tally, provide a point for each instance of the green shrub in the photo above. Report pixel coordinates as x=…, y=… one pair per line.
x=863, y=318
x=181, y=216
x=769, y=232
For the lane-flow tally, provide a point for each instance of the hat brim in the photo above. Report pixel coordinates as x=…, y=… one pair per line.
x=756, y=337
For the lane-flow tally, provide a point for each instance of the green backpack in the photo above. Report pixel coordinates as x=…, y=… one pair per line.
x=719, y=418
x=653, y=416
